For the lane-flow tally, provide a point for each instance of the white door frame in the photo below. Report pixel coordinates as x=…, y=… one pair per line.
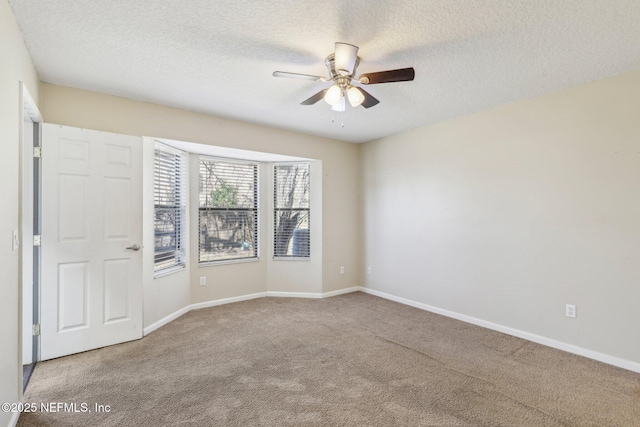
x=28, y=288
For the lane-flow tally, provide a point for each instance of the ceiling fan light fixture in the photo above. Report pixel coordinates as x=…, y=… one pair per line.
x=339, y=106
x=333, y=95
x=355, y=96
x=345, y=58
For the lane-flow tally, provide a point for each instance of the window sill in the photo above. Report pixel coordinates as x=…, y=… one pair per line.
x=291, y=258
x=227, y=261
x=168, y=271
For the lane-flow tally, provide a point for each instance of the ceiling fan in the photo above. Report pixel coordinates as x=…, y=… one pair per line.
x=342, y=65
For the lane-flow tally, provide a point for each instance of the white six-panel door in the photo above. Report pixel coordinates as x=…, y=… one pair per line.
x=91, y=290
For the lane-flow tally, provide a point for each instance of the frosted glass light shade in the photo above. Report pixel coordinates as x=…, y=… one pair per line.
x=355, y=96
x=340, y=105
x=345, y=58
x=333, y=95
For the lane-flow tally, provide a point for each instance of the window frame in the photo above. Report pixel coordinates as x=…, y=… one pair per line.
x=275, y=209
x=179, y=256
x=257, y=211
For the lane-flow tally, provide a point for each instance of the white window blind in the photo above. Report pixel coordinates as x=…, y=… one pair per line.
x=170, y=206
x=228, y=211
x=291, y=210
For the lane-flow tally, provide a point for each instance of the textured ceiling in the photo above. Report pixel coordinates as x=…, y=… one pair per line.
x=217, y=57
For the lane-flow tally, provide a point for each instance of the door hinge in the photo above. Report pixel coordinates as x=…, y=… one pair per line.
x=37, y=240
x=37, y=152
x=36, y=329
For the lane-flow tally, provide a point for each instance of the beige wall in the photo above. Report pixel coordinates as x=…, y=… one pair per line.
x=16, y=66
x=340, y=179
x=509, y=214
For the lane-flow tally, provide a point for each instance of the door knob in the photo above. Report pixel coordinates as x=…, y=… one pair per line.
x=135, y=247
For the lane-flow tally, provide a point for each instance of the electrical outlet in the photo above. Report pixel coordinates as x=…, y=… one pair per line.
x=203, y=281
x=368, y=269
x=571, y=311
x=341, y=270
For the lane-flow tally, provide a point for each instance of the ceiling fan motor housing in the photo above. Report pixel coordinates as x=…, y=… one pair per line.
x=330, y=62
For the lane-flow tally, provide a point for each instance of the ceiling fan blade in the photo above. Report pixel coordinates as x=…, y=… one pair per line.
x=401, y=75
x=369, y=100
x=345, y=58
x=298, y=76
x=315, y=98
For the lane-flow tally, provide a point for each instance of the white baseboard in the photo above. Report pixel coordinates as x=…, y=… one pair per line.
x=549, y=342
x=165, y=320
x=14, y=419
x=317, y=295
x=342, y=291
x=213, y=303
x=277, y=294
x=223, y=301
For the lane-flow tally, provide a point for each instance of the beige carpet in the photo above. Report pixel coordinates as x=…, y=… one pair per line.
x=352, y=360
